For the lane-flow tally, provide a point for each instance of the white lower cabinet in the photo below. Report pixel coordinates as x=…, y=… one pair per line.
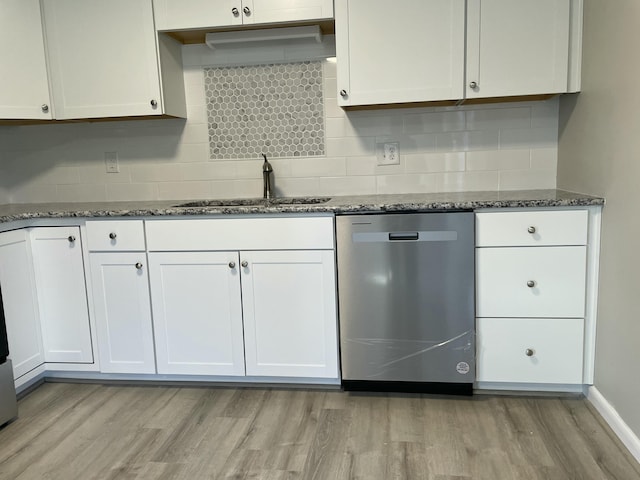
x=530, y=350
x=62, y=294
x=289, y=302
x=20, y=302
x=244, y=296
x=531, y=293
x=122, y=311
x=197, y=312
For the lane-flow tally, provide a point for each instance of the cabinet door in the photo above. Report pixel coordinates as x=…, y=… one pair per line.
x=102, y=58
x=197, y=312
x=122, y=312
x=24, y=89
x=20, y=302
x=277, y=11
x=530, y=350
x=405, y=51
x=289, y=305
x=531, y=282
x=185, y=14
x=62, y=294
x=517, y=47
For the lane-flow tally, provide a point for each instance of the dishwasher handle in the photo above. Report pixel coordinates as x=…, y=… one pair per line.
x=393, y=236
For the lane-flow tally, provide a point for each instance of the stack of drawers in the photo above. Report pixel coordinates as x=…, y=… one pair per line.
x=530, y=296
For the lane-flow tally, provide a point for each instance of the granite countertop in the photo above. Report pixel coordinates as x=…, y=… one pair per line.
x=339, y=205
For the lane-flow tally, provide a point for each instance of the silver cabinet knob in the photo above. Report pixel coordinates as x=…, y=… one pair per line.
x=473, y=85
x=343, y=93
x=138, y=266
x=529, y=352
x=154, y=103
x=531, y=284
x=112, y=235
x=531, y=229
x=247, y=11
x=71, y=238
x=232, y=264
x=235, y=11
x=45, y=107
x=245, y=264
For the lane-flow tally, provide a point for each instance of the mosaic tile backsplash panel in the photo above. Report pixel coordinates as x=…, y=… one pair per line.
x=273, y=109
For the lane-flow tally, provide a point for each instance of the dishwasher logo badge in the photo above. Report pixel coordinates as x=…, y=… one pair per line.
x=462, y=368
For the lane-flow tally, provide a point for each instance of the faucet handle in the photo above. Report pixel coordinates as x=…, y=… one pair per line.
x=266, y=166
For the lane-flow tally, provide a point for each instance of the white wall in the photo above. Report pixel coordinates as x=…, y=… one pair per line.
x=599, y=153
x=493, y=147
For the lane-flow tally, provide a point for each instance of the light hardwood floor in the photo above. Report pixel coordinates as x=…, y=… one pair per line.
x=80, y=431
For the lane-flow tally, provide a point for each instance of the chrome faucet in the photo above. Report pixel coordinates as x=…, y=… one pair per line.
x=267, y=170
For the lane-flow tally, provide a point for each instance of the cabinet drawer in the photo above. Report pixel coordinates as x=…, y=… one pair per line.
x=115, y=235
x=522, y=229
x=286, y=233
x=557, y=273
x=554, y=344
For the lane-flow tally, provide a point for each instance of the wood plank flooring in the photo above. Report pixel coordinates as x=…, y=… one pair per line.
x=81, y=431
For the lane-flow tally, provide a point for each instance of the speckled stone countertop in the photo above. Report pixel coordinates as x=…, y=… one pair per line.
x=339, y=205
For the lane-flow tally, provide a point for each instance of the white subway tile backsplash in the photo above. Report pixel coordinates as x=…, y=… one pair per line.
x=319, y=167
x=132, y=191
x=527, y=179
x=467, y=181
x=359, y=185
x=358, y=124
x=407, y=183
x=435, y=162
x=218, y=170
x=198, y=190
x=361, y=165
x=86, y=192
x=544, y=159
x=465, y=141
x=480, y=147
x=528, y=138
x=434, y=122
x=498, y=160
x=350, y=146
x=289, y=187
x=335, y=127
x=496, y=118
x=153, y=173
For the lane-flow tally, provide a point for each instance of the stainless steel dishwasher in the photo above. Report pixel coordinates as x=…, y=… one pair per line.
x=406, y=302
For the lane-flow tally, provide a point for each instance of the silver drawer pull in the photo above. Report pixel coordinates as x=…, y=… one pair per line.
x=138, y=266
x=529, y=352
x=245, y=264
x=112, y=235
x=71, y=238
x=232, y=264
x=531, y=229
x=531, y=284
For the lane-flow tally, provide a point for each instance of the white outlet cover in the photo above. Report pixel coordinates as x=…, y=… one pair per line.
x=388, y=153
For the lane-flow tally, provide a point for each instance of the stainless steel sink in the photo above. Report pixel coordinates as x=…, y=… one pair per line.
x=254, y=202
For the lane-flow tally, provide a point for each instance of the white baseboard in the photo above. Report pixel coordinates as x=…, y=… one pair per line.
x=615, y=421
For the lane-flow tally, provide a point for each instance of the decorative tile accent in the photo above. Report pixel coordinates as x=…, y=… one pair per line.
x=273, y=109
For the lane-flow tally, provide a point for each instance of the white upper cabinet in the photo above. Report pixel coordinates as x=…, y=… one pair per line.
x=24, y=89
x=413, y=51
x=103, y=59
x=517, y=47
x=399, y=52
x=186, y=14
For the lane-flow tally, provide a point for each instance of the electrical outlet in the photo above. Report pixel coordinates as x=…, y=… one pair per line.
x=111, y=162
x=388, y=153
